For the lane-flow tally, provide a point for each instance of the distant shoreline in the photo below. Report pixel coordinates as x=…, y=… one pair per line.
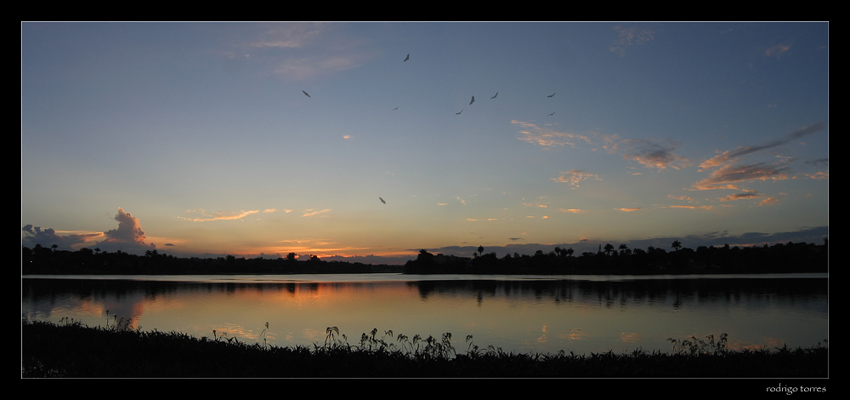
x=779, y=258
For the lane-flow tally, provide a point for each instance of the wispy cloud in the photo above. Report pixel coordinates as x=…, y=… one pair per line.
x=207, y=216
x=547, y=137
x=681, y=198
x=730, y=156
x=629, y=37
x=769, y=201
x=777, y=50
x=730, y=176
x=305, y=67
x=574, y=177
x=741, y=196
x=727, y=174
x=648, y=153
x=538, y=205
x=287, y=35
x=311, y=212
x=705, y=207
x=282, y=47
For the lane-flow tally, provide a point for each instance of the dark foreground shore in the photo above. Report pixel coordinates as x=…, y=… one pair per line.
x=71, y=350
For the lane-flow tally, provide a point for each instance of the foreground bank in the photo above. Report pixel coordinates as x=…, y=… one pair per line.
x=71, y=350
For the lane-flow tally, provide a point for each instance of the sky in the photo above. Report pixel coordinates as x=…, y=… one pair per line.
x=368, y=141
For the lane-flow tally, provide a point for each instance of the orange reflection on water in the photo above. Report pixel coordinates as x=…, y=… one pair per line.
x=516, y=316
x=296, y=313
x=630, y=337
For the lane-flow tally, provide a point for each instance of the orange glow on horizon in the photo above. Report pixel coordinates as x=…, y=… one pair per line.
x=305, y=252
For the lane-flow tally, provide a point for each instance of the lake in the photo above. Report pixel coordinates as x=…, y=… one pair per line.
x=582, y=314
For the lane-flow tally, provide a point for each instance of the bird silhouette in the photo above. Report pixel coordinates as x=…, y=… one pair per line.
x=305, y=93
x=551, y=95
x=472, y=101
x=494, y=96
x=551, y=114
x=382, y=200
x=458, y=113
x=406, y=58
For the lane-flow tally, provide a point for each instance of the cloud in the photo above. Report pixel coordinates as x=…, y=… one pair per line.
x=311, y=212
x=207, y=216
x=128, y=237
x=283, y=46
x=692, y=207
x=306, y=67
x=546, y=137
x=648, y=153
x=730, y=156
x=129, y=231
x=769, y=201
x=629, y=37
x=287, y=36
x=728, y=176
x=682, y=198
x=48, y=237
x=574, y=177
x=777, y=50
x=741, y=196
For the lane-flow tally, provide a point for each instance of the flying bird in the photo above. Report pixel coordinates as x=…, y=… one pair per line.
x=494, y=96
x=305, y=93
x=472, y=101
x=407, y=58
x=551, y=95
x=551, y=114
x=382, y=200
x=458, y=113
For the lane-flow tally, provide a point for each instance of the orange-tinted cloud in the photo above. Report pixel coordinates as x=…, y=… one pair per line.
x=311, y=212
x=649, y=154
x=729, y=176
x=740, y=196
x=574, y=177
x=223, y=216
x=730, y=156
x=546, y=137
x=692, y=207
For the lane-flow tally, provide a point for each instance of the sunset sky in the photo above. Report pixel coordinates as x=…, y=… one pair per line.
x=256, y=138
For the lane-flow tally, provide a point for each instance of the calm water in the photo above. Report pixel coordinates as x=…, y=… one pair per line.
x=525, y=314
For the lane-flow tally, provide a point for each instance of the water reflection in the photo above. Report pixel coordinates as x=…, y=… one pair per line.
x=515, y=314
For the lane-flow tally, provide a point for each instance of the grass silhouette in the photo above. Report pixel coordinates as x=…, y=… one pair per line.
x=69, y=349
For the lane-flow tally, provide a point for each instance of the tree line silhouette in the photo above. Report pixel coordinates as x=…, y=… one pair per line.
x=42, y=260
x=778, y=258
